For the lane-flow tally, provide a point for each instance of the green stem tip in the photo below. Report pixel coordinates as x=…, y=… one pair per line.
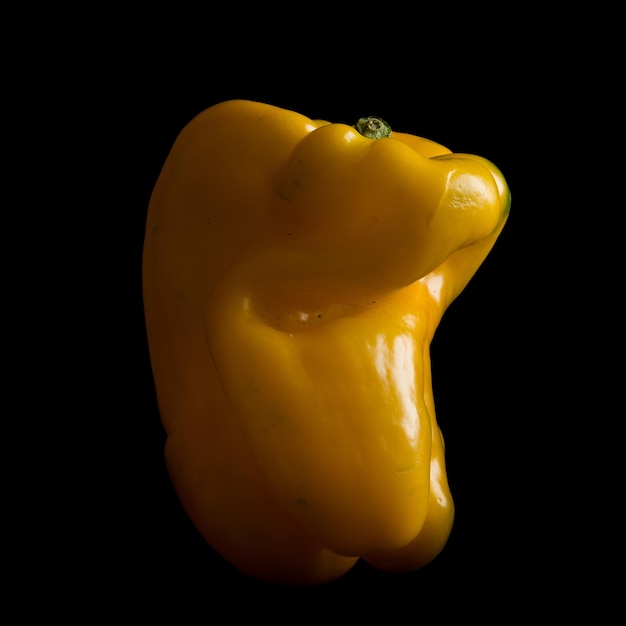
x=373, y=127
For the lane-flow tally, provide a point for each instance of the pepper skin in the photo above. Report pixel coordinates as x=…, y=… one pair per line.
x=294, y=274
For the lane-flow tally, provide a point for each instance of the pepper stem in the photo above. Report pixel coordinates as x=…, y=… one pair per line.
x=373, y=127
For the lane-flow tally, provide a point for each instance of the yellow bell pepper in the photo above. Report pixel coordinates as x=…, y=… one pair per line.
x=294, y=274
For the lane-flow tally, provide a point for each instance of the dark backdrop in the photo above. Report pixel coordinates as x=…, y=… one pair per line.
x=127, y=538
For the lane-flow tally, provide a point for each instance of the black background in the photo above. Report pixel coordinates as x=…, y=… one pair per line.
x=122, y=535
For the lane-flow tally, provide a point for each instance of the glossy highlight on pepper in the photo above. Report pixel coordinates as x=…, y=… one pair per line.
x=294, y=274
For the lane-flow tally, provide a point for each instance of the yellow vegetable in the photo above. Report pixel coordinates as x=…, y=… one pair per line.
x=294, y=274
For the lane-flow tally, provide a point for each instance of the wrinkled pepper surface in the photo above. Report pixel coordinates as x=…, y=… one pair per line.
x=294, y=273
